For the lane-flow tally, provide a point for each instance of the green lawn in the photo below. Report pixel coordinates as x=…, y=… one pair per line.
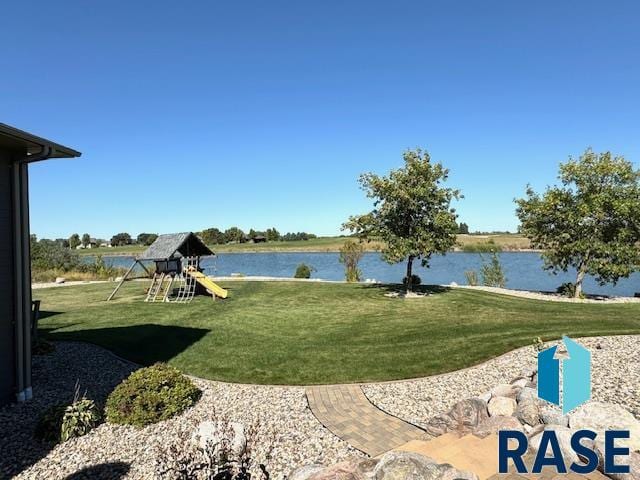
x=305, y=333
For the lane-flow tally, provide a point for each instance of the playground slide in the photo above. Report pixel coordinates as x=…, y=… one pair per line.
x=207, y=283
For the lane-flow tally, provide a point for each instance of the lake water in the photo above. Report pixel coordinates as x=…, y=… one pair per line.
x=522, y=269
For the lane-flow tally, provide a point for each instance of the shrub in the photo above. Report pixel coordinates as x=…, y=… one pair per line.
x=482, y=247
x=492, y=273
x=61, y=422
x=568, y=289
x=350, y=254
x=303, y=271
x=50, y=255
x=472, y=277
x=415, y=280
x=42, y=347
x=150, y=395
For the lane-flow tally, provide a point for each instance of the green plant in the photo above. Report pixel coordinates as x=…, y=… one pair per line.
x=303, y=271
x=568, y=289
x=350, y=254
x=482, y=247
x=415, y=280
x=150, y=395
x=492, y=273
x=472, y=277
x=538, y=345
x=61, y=422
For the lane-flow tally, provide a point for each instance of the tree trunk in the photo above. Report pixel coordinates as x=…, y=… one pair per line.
x=582, y=271
x=409, y=273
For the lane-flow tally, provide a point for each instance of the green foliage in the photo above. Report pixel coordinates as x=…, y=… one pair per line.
x=212, y=236
x=492, y=273
x=61, y=422
x=42, y=347
x=74, y=240
x=146, y=238
x=538, y=345
x=49, y=255
x=350, y=254
x=303, y=271
x=482, y=247
x=463, y=228
x=415, y=280
x=150, y=395
x=86, y=239
x=292, y=237
x=121, y=239
x=591, y=222
x=272, y=234
x=412, y=211
x=568, y=289
x=472, y=277
x=234, y=235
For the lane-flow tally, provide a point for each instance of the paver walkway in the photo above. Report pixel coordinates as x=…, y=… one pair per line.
x=346, y=411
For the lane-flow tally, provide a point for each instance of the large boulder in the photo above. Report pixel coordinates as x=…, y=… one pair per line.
x=495, y=424
x=355, y=469
x=463, y=417
x=505, y=390
x=527, y=393
x=221, y=439
x=305, y=472
x=633, y=461
x=600, y=416
x=504, y=406
x=528, y=412
x=396, y=465
x=552, y=415
x=563, y=435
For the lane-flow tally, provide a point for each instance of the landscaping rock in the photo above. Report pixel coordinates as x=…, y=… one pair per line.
x=60, y=280
x=633, y=461
x=305, y=472
x=213, y=436
x=463, y=417
x=501, y=406
x=552, y=415
x=348, y=470
x=505, y=390
x=495, y=424
x=528, y=412
x=564, y=440
x=527, y=393
x=396, y=465
x=520, y=382
x=485, y=397
x=601, y=416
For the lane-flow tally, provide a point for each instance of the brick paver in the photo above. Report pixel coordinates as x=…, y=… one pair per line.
x=346, y=411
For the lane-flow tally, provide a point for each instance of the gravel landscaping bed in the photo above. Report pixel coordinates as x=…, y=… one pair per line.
x=615, y=378
x=287, y=431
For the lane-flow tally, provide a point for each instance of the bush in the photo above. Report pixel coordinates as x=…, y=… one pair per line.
x=350, y=254
x=150, y=395
x=482, y=247
x=568, y=289
x=50, y=255
x=492, y=273
x=61, y=422
x=472, y=277
x=303, y=271
x=415, y=280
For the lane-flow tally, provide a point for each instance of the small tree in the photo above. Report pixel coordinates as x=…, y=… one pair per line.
x=412, y=211
x=74, y=240
x=350, y=254
x=86, y=239
x=591, y=222
x=492, y=273
x=212, y=236
x=234, y=234
x=146, y=238
x=121, y=239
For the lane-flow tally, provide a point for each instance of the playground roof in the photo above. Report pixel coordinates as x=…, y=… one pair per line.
x=173, y=245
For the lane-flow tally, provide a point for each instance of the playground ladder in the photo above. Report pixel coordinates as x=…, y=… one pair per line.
x=156, y=286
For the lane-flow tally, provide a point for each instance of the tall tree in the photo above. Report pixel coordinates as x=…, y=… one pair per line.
x=234, y=234
x=412, y=211
x=86, y=239
x=121, y=239
x=74, y=240
x=591, y=222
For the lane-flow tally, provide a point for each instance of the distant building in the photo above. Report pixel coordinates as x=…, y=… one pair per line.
x=259, y=239
x=17, y=150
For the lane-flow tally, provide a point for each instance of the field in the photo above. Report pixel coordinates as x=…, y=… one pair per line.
x=324, y=244
x=310, y=333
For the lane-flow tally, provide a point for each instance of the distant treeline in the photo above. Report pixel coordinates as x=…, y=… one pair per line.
x=215, y=236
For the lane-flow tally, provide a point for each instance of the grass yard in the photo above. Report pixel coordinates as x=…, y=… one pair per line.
x=306, y=333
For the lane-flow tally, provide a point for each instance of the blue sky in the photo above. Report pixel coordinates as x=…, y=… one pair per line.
x=252, y=113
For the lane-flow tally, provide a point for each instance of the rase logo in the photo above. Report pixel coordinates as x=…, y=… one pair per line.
x=576, y=390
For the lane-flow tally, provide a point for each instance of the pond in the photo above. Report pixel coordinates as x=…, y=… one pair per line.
x=522, y=269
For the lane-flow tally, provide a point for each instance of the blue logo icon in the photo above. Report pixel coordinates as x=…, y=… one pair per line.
x=576, y=376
